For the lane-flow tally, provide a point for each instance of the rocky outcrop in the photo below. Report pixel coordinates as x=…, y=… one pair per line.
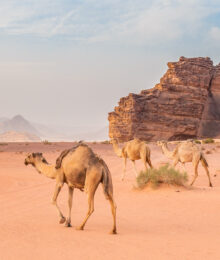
x=185, y=104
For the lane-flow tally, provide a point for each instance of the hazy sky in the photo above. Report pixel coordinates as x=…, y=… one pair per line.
x=68, y=62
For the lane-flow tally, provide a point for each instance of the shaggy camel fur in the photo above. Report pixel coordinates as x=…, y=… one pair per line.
x=134, y=150
x=79, y=168
x=186, y=151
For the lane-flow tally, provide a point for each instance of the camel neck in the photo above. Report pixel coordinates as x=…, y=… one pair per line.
x=117, y=150
x=46, y=169
x=166, y=151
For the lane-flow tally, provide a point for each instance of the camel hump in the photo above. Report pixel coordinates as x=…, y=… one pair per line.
x=66, y=152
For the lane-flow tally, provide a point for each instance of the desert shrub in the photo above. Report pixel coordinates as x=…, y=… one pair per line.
x=208, y=141
x=197, y=141
x=46, y=142
x=3, y=144
x=165, y=174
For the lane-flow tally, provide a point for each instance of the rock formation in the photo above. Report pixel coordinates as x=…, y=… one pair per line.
x=185, y=104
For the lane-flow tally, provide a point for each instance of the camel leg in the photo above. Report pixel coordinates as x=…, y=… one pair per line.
x=145, y=164
x=91, y=194
x=207, y=172
x=54, y=201
x=70, y=200
x=149, y=162
x=145, y=160
x=195, y=172
x=113, y=208
x=124, y=170
x=175, y=162
x=136, y=172
x=184, y=166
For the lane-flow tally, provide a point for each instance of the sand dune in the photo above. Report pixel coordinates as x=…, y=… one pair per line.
x=153, y=224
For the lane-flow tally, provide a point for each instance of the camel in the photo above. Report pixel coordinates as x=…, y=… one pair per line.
x=184, y=152
x=78, y=167
x=134, y=150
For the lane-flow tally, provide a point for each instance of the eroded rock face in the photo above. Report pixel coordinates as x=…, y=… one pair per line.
x=185, y=104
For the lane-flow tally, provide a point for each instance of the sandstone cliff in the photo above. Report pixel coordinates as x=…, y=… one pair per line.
x=185, y=104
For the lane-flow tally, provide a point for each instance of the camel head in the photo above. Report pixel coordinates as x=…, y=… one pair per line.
x=113, y=141
x=33, y=158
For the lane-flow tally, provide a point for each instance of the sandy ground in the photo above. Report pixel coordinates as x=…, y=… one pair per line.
x=168, y=223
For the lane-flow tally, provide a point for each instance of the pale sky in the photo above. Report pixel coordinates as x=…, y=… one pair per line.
x=68, y=62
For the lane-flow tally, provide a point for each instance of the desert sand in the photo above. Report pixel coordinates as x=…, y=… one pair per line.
x=167, y=223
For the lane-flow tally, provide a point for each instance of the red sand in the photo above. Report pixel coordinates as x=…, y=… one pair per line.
x=152, y=224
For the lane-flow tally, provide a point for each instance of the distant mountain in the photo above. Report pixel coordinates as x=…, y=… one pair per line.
x=13, y=136
x=50, y=132
x=72, y=133
x=2, y=119
x=17, y=124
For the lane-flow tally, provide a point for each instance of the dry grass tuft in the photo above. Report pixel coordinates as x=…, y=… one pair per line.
x=208, y=141
x=165, y=174
x=46, y=142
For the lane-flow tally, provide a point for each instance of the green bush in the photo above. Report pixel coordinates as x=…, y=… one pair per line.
x=165, y=174
x=208, y=141
x=197, y=141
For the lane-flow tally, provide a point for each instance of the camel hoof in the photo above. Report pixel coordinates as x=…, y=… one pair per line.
x=67, y=224
x=113, y=232
x=62, y=220
x=79, y=228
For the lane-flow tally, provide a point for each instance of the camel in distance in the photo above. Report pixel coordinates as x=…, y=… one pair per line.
x=186, y=151
x=133, y=150
x=78, y=167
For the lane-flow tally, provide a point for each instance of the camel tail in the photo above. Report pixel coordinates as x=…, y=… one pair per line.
x=203, y=160
x=107, y=181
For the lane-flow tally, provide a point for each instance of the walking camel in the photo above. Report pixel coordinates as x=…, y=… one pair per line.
x=79, y=168
x=184, y=152
x=133, y=150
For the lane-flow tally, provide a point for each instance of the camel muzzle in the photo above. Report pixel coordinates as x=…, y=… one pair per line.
x=25, y=162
